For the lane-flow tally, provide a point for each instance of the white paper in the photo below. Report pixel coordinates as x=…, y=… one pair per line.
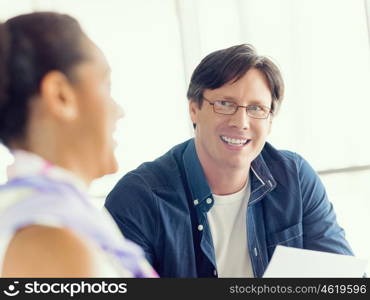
x=302, y=263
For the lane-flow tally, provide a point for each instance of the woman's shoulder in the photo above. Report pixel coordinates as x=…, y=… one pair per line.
x=38, y=250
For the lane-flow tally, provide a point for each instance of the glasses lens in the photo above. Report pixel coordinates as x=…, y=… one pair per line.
x=257, y=112
x=224, y=107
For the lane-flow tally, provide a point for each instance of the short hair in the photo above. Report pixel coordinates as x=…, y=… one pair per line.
x=31, y=45
x=230, y=64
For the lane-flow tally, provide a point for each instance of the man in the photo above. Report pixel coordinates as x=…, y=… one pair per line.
x=217, y=205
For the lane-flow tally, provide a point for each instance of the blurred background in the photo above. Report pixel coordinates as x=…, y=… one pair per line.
x=321, y=46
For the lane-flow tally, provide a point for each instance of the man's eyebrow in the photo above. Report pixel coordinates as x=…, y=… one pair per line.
x=220, y=97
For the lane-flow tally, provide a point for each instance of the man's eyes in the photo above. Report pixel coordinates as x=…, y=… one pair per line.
x=255, y=108
x=225, y=103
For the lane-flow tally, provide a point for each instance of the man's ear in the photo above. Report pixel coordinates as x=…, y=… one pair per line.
x=59, y=96
x=193, y=111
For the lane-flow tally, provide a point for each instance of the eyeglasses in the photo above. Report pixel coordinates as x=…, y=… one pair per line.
x=229, y=108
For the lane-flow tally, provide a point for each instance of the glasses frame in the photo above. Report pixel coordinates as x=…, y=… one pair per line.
x=237, y=107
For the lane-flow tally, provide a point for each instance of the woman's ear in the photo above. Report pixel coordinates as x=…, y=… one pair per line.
x=59, y=96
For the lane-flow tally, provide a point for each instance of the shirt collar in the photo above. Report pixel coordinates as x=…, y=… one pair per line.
x=261, y=178
x=262, y=171
x=29, y=164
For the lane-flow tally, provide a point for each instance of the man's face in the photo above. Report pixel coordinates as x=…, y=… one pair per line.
x=232, y=142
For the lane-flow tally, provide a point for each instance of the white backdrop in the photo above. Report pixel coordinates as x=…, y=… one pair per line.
x=322, y=47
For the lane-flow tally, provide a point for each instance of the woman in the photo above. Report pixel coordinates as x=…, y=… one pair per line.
x=57, y=118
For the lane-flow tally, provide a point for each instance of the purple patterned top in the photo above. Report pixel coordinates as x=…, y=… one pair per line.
x=39, y=193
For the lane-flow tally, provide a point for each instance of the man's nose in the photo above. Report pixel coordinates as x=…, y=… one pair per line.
x=240, y=119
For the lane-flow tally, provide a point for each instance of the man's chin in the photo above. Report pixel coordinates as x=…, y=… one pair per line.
x=238, y=164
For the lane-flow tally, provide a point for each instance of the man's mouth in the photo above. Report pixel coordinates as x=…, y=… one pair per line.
x=234, y=141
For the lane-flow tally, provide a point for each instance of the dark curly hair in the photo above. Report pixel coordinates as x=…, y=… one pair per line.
x=32, y=45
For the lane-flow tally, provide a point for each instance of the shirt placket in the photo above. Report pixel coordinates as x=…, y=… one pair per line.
x=206, y=243
x=259, y=188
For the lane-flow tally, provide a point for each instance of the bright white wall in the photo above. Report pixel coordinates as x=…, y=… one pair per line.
x=322, y=48
x=142, y=43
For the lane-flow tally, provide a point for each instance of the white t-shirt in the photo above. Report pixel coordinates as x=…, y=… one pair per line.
x=228, y=222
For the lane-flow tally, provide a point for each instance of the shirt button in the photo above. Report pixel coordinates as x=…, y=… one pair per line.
x=200, y=227
x=255, y=252
x=209, y=200
x=196, y=202
x=215, y=272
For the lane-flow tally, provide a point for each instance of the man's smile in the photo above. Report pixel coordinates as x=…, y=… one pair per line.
x=233, y=141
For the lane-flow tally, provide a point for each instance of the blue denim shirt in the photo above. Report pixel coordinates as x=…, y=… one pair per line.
x=161, y=205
